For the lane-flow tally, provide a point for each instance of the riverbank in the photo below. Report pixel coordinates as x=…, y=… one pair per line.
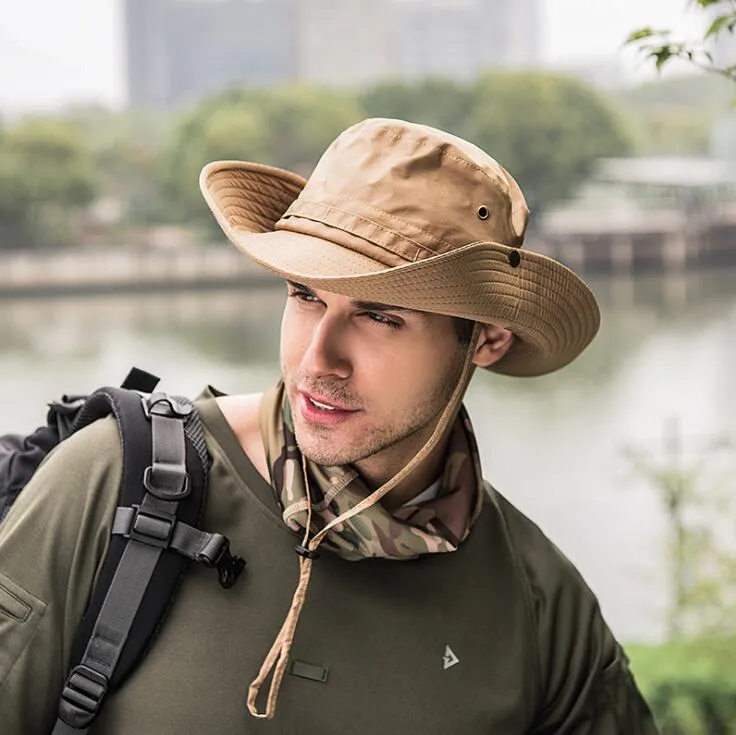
x=127, y=270
x=103, y=271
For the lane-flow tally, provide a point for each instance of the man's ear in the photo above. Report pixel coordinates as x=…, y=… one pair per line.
x=493, y=343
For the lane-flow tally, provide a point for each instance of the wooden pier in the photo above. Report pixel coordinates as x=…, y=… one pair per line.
x=667, y=241
x=655, y=214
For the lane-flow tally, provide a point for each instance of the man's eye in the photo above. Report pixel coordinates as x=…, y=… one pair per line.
x=378, y=318
x=304, y=296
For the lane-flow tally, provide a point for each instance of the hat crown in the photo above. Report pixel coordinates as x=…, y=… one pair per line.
x=407, y=215
x=411, y=190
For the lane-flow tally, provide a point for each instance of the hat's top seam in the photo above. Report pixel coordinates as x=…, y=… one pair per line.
x=479, y=169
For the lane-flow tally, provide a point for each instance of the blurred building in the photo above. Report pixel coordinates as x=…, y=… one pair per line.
x=346, y=42
x=352, y=42
x=180, y=50
x=511, y=32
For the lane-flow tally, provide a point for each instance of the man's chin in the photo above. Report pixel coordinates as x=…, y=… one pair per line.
x=325, y=459
x=314, y=447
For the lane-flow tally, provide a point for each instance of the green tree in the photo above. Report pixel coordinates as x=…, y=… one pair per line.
x=441, y=103
x=677, y=131
x=676, y=116
x=701, y=563
x=689, y=681
x=126, y=150
x=689, y=684
x=46, y=177
x=301, y=121
x=661, y=47
x=285, y=126
x=229, y=126
x=547, y=130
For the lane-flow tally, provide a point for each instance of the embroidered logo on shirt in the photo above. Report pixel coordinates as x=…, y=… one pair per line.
x=449, y=659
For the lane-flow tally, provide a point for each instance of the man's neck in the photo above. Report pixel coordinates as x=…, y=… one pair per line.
x=376, y=472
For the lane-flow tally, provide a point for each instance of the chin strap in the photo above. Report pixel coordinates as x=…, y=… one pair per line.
x=277, y=658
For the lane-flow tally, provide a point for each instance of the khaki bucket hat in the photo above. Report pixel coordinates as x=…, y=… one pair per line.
x=407, y=215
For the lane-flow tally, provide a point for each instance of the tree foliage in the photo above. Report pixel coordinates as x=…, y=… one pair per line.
x=287, y=127
x=547, y=130
x=661, y=47
x=441, y=103
x=46, y=175
x=676, y=116
x=690, y=685
x=125, y=148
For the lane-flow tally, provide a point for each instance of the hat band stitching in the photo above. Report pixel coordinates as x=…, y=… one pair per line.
x=402, y=224
x=418, y=247
x=289, y=226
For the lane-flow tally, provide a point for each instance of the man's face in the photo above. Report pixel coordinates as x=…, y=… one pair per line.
x=384, y=373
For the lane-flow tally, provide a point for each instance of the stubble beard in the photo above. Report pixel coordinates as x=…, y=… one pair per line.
x=317, y=443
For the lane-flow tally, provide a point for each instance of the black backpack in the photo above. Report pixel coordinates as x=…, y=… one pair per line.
x=155, y=532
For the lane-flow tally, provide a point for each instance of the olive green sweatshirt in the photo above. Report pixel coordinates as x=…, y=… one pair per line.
x=501, y=637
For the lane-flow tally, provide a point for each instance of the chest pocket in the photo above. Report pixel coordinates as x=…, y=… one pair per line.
x=20, y=614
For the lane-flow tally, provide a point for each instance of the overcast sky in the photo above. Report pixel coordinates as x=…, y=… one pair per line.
x=57, y=51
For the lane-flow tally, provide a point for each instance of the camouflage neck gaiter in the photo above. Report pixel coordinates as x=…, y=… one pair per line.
x=434, y=526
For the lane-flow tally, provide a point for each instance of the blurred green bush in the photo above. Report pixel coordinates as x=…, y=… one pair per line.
x=690, y=685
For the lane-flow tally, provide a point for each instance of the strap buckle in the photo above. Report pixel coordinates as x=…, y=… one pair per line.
x=216, y=554
x=162, y=404
x=166, y=484
x=82, y=696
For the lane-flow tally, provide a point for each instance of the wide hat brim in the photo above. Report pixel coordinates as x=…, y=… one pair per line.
x=550, y=309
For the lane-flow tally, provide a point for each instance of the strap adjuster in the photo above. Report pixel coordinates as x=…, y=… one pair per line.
x=306, y=552
x=154, y=529
x=82, y=696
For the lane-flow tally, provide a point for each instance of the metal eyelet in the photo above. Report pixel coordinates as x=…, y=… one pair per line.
x=483, y=212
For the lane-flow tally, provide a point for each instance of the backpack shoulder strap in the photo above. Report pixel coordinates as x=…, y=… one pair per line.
x=155, y=532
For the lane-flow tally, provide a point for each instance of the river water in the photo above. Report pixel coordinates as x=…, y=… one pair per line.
x=555, y=446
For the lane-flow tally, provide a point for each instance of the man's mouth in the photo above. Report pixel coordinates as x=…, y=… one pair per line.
x=319, y=410
x=321, y=405
x=324, y=403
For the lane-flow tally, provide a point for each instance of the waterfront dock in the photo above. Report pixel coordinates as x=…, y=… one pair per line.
x=629, y=243
x=663, y=242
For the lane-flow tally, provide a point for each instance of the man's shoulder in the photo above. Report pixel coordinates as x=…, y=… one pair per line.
x=549, y=573
x=243, y=415
x=241, y=411
x=74, y=470
x=97, y=446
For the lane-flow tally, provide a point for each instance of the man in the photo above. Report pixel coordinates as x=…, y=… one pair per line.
x=435, y=606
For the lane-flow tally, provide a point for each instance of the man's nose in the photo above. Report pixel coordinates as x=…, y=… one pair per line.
x=325, y=354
